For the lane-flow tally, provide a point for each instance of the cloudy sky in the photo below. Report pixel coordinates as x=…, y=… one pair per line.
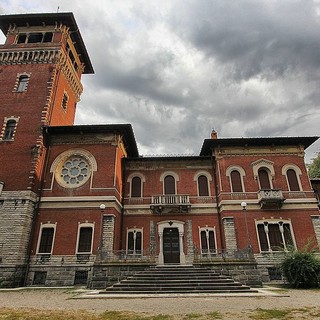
x=176, y=69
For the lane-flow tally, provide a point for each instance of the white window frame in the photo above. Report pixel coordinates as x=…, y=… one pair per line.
x=85, y=225
x=207, y=230
x=133, y=175
x=174, y=175
x=134, y=230
x=241, y=172
x=275, y=221
x=45, y=226
x=209, y=179
x=298, y=172
x=25, y=88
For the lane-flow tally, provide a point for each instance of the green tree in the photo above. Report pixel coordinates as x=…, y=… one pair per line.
x=314, y=167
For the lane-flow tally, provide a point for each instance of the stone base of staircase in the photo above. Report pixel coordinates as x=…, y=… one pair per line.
x=177, y=280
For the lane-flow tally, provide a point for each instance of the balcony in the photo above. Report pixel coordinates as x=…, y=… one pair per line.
x=171, y=203
x=270, y=198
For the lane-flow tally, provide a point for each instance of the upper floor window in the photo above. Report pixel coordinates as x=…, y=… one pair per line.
x=264, y=179
x=22, y=83
x=275, y=235
x=203, y=186
x=169, y=185
x=236, y=174
x=134, y=241
x=46, y=238
x=236, y=183
x=136, y=187
x=9, y=129
x=85, y=239
x=293, y=180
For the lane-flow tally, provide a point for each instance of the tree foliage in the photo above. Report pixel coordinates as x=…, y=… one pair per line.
x=314, y=167
x=301, y=269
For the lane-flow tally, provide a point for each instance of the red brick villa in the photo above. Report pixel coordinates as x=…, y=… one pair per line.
x=79, y=205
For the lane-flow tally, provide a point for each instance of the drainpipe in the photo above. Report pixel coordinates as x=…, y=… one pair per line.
x=215, y=181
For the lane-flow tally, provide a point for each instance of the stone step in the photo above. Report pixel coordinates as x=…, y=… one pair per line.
x=177, y=280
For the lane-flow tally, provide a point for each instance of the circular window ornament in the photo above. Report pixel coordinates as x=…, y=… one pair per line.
x=73, y=172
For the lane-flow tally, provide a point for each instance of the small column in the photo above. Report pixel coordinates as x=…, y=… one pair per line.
x=182, y=255
x=161, y=257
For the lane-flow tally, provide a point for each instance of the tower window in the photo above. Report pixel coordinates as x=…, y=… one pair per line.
x=22, y=37
x=9, y=130
x=64, y=103
x=22, y=83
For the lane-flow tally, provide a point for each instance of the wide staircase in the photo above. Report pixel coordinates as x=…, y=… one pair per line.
x=177, y=279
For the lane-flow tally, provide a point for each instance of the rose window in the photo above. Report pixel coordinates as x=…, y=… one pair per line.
x=74, y=172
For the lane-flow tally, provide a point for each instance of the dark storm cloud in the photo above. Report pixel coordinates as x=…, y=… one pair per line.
x=176, y=69
x=265, y=38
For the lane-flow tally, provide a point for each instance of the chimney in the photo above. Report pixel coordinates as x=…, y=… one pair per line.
x=214, y=134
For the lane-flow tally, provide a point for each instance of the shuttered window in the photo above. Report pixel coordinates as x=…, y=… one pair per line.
x=169, y=185
x=203, y=186
x=264, y=179
x=293, y=180
x=136, y=187
x=236, y=183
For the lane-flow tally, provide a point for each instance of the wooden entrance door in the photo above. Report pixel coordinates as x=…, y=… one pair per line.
x=171, y=249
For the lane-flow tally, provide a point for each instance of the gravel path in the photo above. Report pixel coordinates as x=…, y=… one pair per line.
x=230, y=307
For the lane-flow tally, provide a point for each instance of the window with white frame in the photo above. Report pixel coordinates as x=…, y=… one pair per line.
x=207, y=241
x=134, y=241
x=64, y=103
x=203, y=187
x=169, y=185
x=46, y=239
x=275, y=235
x=292, y=174
x=236, y=174
x=85, y=238
x=9, y=129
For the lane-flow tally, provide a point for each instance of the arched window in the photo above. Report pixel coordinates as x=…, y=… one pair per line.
x=236, y=183
x=9, y=129
x=203, y=186
x=23, y=83
x=264, y=179
x=169, y=185
x=293, y=180
x=136, y=187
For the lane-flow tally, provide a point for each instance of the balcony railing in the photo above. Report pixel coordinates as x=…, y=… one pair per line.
x=270, y=198
x=170, y=203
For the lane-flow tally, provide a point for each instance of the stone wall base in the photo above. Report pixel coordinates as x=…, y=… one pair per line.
x=12, y=276
x=246, y=273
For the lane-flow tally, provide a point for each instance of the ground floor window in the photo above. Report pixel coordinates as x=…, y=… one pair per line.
x=81, y=277
x=46, y=239
x=207, y=241
x=275, y=235
x=85, y=238
x=39, y=278
x=134, y=241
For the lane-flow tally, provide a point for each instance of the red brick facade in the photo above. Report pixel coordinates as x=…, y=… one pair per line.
x=97, y=203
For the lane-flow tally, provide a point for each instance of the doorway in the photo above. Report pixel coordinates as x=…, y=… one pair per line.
x=171, y=248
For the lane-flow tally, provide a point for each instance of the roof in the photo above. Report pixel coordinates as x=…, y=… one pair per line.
x=168, y=158
x=210, y=144
x=38, y=19
x=123, y=129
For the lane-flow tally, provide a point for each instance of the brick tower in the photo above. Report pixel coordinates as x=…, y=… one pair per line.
x=41, y=64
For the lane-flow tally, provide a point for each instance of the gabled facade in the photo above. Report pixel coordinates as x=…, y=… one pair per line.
x=80, y=206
